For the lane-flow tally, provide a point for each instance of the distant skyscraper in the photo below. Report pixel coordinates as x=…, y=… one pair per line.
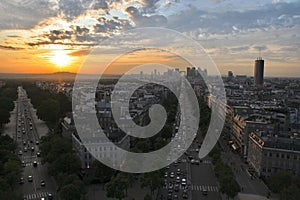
x=230, y=74
x=259, y=72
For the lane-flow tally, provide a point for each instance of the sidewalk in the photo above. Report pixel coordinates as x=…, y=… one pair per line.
x=250, y=185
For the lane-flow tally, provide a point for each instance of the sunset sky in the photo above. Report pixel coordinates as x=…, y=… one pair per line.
x=44, y=36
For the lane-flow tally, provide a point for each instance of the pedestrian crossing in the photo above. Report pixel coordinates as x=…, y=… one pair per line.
x=31, y=164
x=36, y=195
x=209, y=188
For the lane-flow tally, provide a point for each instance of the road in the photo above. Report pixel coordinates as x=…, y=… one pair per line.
x=27, y=137
x=201, y=182
x=249, y=184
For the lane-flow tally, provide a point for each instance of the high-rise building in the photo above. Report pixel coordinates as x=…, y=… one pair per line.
x=230, y=74
x=259, y=72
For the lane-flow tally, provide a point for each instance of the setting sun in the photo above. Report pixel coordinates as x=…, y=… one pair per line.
x=60, y=58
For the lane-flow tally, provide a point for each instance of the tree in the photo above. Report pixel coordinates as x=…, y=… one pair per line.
x=102, y=172
x=290, y=193
x=66, y=163
x=70, y=192
x=4, y=116
x=12, y=170
x=116, y=187
x=229, y=186
x=280, y=180
x=49, y=110
x=167, y=131
x=147, y=197
x=153, y=180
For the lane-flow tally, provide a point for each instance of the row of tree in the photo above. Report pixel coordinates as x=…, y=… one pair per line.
x=285, y=184
x=10, y=169
x=8, y=94
x=225, y=175
x=50, y=106
x=64, y=165
x=10, y=164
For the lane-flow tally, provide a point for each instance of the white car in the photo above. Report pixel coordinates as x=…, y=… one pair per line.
x=183, y=182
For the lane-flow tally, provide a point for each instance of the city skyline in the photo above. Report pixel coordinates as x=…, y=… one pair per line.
x=52, y=36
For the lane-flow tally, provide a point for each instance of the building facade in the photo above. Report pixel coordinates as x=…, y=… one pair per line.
x=268, y=154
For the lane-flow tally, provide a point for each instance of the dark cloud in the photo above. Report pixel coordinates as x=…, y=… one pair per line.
x=141, y=20
x=9, y=47
x=233, y=21
x=17, y=14
x=74, y=8
x=100, y=4
x=260, y=48
x=72, y=44
x=241, y=48
x=149, y=5
x=59, y=35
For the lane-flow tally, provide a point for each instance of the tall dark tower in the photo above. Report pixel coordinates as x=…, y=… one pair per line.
x=259, y=72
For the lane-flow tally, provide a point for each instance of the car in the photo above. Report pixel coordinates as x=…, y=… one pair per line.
x=23, y=163
x=175, y=197
x=43, y=184
x=30, y=179
x=19, y=136
x=176, y=187
x=184, y=195
x=50, y=196
x=197, y=162
x=197, y=150
x=37, y=142
x=178, y=171
x=204, y=191
x=24, y=142
x=170, y=186
x=169, y=196
x=183, y=182
x=30, y=128
x=172, y=175
x=20, y=153
x=177, y=179
x=21, y=181
x=193, y=161
x=38, y=154
x=34, y=163
x=25, y=149
x=32, y=148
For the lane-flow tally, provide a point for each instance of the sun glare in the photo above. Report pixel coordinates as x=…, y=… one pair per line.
x=60, y=58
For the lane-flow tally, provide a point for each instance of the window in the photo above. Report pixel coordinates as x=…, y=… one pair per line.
x=270, y=154
x=277, y=155
x=282, y=155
